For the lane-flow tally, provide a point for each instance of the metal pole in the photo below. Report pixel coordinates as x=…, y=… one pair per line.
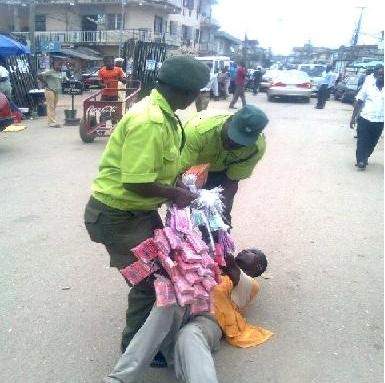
x=121, y=28
x=32, y=32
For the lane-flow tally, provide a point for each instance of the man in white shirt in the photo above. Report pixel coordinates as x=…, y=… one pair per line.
x=327, y=83
x=369, y=107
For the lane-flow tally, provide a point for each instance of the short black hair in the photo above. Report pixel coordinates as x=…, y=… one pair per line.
x=262, y=260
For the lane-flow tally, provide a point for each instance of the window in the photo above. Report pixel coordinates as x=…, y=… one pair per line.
x=158, y=24
x=40, y=23
x=186, y=33
x=173, y=28
x=197, y=33
x=113, y=21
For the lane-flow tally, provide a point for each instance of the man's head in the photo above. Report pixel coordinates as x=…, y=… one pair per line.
x=180, y=80
x=119, y=62
x=379, y=75
x=241, y=63
x=252, y=262
x=108, y=62
x=243, y=128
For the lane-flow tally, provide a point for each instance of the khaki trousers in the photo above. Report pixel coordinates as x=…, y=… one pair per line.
x=51, y=99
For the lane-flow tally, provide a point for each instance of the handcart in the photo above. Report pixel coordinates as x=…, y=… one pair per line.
x=100, y=117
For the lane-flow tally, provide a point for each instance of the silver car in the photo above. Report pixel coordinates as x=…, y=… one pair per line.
x=290, y=84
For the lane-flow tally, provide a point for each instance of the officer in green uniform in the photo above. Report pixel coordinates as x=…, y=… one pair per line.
x=138, y=172
x=231, y=144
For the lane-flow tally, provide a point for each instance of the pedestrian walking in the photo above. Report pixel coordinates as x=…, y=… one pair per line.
x=137, y=174
x=240, y=83
x=257, y=78
x=223, y=83
x=368, y=113
x=327, y=83
x=232, y=73
x=231, y=144
x=51, y=80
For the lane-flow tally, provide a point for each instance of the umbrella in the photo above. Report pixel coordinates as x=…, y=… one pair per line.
x=10, y=47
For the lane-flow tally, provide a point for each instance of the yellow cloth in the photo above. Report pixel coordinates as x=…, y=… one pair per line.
x=14, y=128
x=237, y=331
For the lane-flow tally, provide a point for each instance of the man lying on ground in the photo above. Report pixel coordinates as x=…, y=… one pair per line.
x=187, y=341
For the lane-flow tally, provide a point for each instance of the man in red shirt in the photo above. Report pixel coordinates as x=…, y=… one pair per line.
x=110, y=75
x=240, y=83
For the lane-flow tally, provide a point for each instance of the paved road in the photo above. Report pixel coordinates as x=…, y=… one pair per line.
x=318, y=219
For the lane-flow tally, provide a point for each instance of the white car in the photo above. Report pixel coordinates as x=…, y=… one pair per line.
x=292, y=84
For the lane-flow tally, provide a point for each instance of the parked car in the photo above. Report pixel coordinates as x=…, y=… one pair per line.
x=315, y=73
x=90, y=78
x=292, y=84
x=267, y=78
x=6, y=118
x=347, y=89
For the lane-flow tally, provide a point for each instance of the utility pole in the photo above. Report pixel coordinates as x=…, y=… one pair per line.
x=32, y=32
x=122, y=4
x=358, y=28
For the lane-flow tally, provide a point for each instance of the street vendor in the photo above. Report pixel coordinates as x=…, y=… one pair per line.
x=231, y=144
x=110, y=75
x=137, y=174
x=188, y=341
x=52, y=82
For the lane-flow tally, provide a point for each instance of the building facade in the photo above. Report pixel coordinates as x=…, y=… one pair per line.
x=105, y=24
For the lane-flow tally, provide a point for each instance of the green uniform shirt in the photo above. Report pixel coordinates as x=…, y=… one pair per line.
x=204, y=145
x=143, y=148
x=54, y=79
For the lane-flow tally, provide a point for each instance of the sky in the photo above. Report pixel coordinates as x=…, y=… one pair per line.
x=281, y=24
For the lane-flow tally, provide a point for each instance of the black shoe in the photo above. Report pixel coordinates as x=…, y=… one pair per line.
x=361, y=165
x=159, y=361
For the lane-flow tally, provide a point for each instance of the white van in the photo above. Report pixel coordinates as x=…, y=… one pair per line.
x=215, y=63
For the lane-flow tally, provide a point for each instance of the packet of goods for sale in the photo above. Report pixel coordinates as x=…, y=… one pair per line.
x=200, y=292
x=218, y=257
x=188, y=254
x=192, y=277
x=181, y=284
x=196, y=242
x=199, y=306
x=184, y=266
x=226, y=241
x=146, y=251
x=165, y=293
x=137, y=271
x=205, y=272
x=173, y=238
x=181, y=219
x=207, y=261
x=199, y=172
x=208, y=283
x=184, y=299
x=168, y=264
x=161, y=241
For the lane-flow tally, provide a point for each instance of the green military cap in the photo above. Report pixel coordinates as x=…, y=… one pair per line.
x=184, y=72
x=246, y=125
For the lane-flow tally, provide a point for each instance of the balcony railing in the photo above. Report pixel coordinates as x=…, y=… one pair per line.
x=109, y=37
x=172, y=3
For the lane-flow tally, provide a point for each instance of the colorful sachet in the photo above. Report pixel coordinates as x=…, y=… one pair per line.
x=165, y=293
x=146, y=251
x=138, y=271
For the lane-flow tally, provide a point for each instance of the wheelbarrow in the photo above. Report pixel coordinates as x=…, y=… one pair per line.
x=101, y=117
